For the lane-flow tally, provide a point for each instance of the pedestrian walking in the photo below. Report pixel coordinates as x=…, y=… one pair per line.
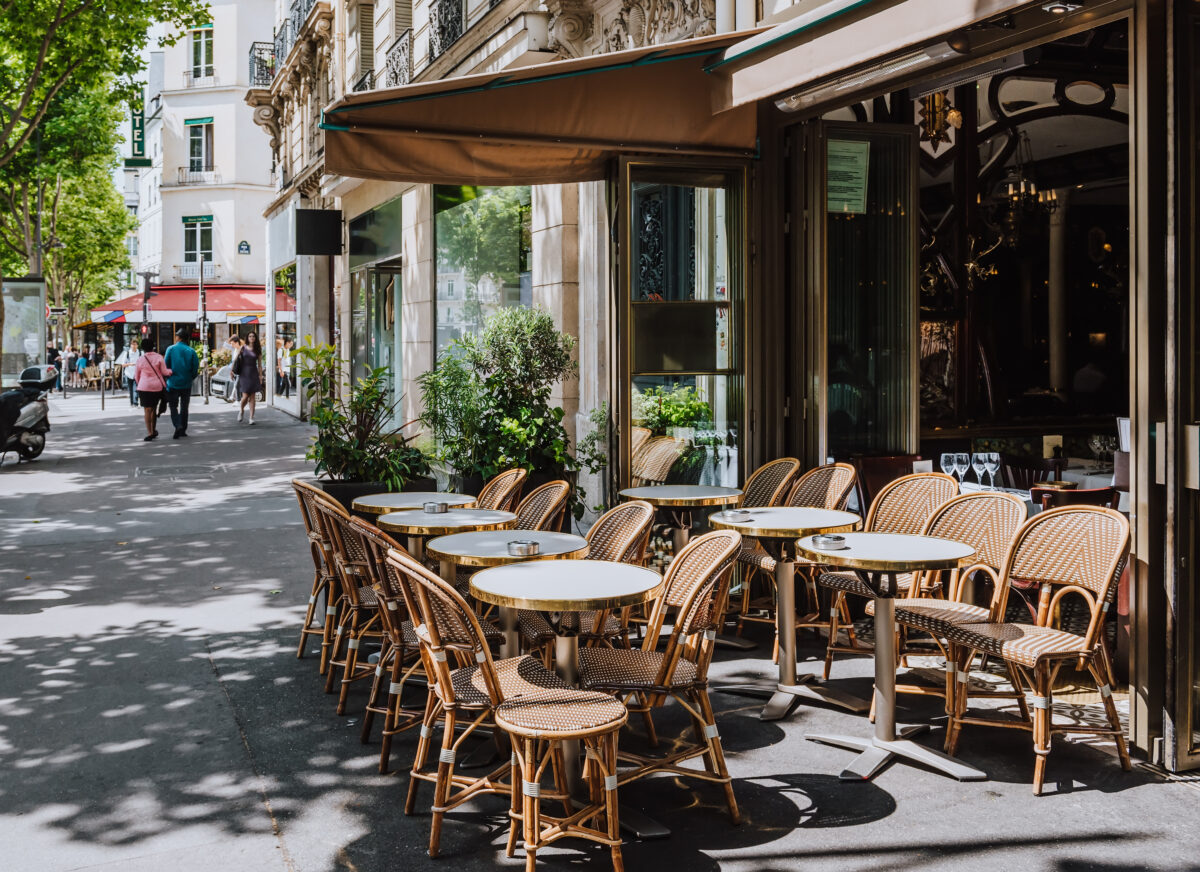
x=81, y=366
x=183, y=364
x=69, y=366
x=152, y=372
x=54, y=358
x=286, y=368
x=127, y=360
x=250, y=380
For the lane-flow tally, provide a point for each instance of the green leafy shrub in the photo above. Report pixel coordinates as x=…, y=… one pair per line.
x=660, y=408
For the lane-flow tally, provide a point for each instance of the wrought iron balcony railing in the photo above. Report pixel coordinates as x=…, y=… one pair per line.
x=200, y=78
x=398, y=63
x=299, y=12
x=192, y=270
x=198, y=174
x=366, y=82
x=284, y=37
x=262, y=64
x=446, y=19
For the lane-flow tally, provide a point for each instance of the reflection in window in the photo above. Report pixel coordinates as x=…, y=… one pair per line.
x=482, y=237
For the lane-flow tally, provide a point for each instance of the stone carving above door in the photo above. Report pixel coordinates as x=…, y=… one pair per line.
x=652, y=22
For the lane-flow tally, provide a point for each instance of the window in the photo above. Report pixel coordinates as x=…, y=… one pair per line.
x=200, y=147
x=197, y=241
x=482, y=238
x=202, y=52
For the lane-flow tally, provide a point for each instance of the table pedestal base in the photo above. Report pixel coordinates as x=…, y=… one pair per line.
x=877, y=752
x=782, y=698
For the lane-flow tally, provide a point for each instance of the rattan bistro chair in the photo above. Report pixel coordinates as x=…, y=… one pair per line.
x=502, y=491
x=901, y=506
x=466, y=688
x=325, y=586
x=696, y=586
x=399, y=658
x=1070, y=551
x=825, y=487
x=988, y=522
x=618, y=536
x=543, y=508
x=358, y=613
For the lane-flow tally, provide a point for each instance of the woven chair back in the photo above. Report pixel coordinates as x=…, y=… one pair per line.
x=638, y=437
x=696, y=586
x=1053, y=498
x=347, y=549
x=395, y=600
x=500, y=494
x=542, y=509
x=653, y=461
x=826, y=487
x=905, y=504
x=1075, y=550
x=448, y=630
x=318, y=542
x=988, y=522
x=768, y=485
x=619, y=534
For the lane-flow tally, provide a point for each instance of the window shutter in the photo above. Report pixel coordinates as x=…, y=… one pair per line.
x=366, y=38
x=402, y=17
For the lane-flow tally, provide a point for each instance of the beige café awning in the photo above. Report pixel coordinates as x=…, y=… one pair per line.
x=551, y=123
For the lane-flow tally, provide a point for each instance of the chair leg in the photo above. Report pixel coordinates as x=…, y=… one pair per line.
x=608, y=749
x=309, y=614
x=327, y=629
x=373, y=695
x=441, y=788
x=1100, y=672
x=648, y=719
x=716, y=754
x=529, y=806
x=432, y=711
x=353, y=640
x=335, y=647
x=835, y=610
x=1041, y=726
x=515, y=816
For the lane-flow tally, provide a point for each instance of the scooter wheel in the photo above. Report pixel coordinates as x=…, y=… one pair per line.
x=31, y=449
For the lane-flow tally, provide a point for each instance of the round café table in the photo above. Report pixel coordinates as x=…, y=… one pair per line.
x=680, y=499
x=484, y=549
x=877, y=558
x=398, y=501
x=558, y=586
x=778, y=528
x=418, y=525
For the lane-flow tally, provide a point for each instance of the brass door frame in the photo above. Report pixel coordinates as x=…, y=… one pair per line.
x=737, y=174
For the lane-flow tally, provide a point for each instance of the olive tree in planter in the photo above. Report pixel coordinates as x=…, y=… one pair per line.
x=356, y=450
x=488, y=400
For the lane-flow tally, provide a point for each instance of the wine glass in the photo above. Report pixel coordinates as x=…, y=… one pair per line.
x=977, y=464
x=991, y=462
x=947, y=462
x=962, y=462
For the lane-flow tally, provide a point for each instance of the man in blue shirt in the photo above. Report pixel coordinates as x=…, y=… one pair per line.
x=183, y=365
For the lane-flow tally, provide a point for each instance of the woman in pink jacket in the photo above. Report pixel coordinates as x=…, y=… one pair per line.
x=151, y=375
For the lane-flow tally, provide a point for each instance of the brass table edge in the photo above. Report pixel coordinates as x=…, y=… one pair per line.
x=358, y=506
x=686, y=502
x=433, y=530
x=831, y=558
x=503, y=559
x=773, y=533
x=549, y=605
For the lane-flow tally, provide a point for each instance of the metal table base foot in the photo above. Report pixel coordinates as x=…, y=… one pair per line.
x=735, y=643
x=782, y=698
x=875, y=753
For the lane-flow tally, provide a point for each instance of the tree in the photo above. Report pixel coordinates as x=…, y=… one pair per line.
x=52, y=47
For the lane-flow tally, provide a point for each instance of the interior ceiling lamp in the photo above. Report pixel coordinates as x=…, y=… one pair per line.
x=877, y=74
x=938, y=115
x=1017, y=197
x=1061, y=8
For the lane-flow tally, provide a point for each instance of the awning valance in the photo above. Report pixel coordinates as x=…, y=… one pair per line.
x=551, y=123
x=841, y=35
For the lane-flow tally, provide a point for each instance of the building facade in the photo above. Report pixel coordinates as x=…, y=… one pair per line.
x=200, y=199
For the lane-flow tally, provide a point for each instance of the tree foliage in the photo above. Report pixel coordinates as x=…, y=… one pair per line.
x=53, y=47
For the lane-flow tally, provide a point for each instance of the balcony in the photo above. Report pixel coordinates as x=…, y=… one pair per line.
x=366, y=82
x=262, y=64
x=194, y=78
x=291, y=27
x=198, y=174
x=398, y=64
x=192, y=270
x=446, y=19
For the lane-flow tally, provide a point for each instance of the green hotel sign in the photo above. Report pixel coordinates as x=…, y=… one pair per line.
x=196, y=219
x=137, y=133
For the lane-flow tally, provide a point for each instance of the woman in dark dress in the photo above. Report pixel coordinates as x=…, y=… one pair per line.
x=250, y=378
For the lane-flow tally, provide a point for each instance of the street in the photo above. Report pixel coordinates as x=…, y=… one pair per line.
x=153, y=713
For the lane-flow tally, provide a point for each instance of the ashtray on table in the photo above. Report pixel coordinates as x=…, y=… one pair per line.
x=523, y=548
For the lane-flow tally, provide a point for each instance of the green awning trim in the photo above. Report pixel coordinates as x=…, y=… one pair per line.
x=187, y=122
x=786, y=35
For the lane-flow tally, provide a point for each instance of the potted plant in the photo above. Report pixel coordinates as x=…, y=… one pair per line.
x=357, y=450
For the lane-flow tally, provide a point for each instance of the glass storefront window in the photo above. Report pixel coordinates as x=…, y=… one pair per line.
x=374, y=333
x=684, y=306
x=483, y=245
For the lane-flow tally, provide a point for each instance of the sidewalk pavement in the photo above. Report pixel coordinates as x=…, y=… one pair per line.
x=153, y=713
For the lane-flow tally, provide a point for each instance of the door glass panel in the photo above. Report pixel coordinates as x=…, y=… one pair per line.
x=870, y=291
x=685, y=379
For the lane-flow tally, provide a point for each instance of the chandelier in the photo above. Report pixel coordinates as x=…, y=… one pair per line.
x=1018, y=200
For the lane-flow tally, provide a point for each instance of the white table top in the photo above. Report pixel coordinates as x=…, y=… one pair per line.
x=391, y=502
x=566, y=585
x=890, y=552
x=490, y=548
x=785, y=522
x=418, y=522
x=683, y=494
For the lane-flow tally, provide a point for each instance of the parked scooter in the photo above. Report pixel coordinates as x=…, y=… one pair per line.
x=25, y=413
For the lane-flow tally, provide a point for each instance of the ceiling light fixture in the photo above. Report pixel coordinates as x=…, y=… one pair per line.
x=1061, y=7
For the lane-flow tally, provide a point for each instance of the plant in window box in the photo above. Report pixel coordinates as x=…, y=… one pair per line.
x=356, y=449
x=666, y=411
